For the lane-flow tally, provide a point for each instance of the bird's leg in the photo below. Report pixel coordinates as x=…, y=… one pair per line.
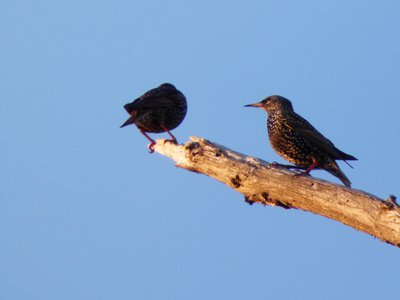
x=152, y=142
x=173, y=138
x=311, y=167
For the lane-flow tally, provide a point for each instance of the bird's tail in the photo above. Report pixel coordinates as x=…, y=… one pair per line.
x=344, y=156
x=333, y=168
x=131, y=120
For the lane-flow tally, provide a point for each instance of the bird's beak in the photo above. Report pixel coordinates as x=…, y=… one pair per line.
x=128, y=122
x=258, y=104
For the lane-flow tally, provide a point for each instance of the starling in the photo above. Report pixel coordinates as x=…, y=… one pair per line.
x=159, y=110
x=297, y=141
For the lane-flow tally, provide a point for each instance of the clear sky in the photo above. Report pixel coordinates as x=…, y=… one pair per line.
x=87, y=213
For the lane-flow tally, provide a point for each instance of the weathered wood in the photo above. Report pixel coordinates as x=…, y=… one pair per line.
x=268, y=184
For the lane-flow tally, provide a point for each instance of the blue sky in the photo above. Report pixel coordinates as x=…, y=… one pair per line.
x=87, y=213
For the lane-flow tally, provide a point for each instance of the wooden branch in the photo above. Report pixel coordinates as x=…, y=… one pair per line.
x=268, y=184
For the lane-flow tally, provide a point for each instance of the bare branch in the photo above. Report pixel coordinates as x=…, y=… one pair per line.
x=265, y=183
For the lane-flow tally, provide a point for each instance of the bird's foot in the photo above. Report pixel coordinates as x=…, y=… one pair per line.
x=301, y=174
x=308, y=170
x=173, y=138
x=152, y=142
x=151, y=147
x=174, y=141
x=274, y=164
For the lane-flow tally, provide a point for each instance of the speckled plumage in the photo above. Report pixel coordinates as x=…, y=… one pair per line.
x=297, y=141
x=159, y=110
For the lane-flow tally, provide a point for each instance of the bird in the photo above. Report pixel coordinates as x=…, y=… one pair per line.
x=158, y=110
x=298, y=142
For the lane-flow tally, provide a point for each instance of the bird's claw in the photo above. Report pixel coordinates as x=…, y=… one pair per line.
x=274, y=164
x=174, y=141
x=301, y=174
x=151, y=147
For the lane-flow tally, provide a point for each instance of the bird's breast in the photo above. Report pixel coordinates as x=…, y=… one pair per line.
x=288, y=143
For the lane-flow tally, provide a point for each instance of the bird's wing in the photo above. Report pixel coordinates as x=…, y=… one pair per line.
x=155, y=98
x=305, y=129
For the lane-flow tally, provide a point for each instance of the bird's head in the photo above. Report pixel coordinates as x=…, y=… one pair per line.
x=167, y=86
x=273, y=104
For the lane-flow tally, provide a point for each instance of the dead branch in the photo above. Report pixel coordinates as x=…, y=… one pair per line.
x=265, y=183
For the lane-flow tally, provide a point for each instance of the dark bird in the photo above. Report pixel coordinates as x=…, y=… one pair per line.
x=297, y=141
x=159, y=110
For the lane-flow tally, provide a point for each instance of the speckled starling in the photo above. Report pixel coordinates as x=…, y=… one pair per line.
x=297, y=141
x=159, y=110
